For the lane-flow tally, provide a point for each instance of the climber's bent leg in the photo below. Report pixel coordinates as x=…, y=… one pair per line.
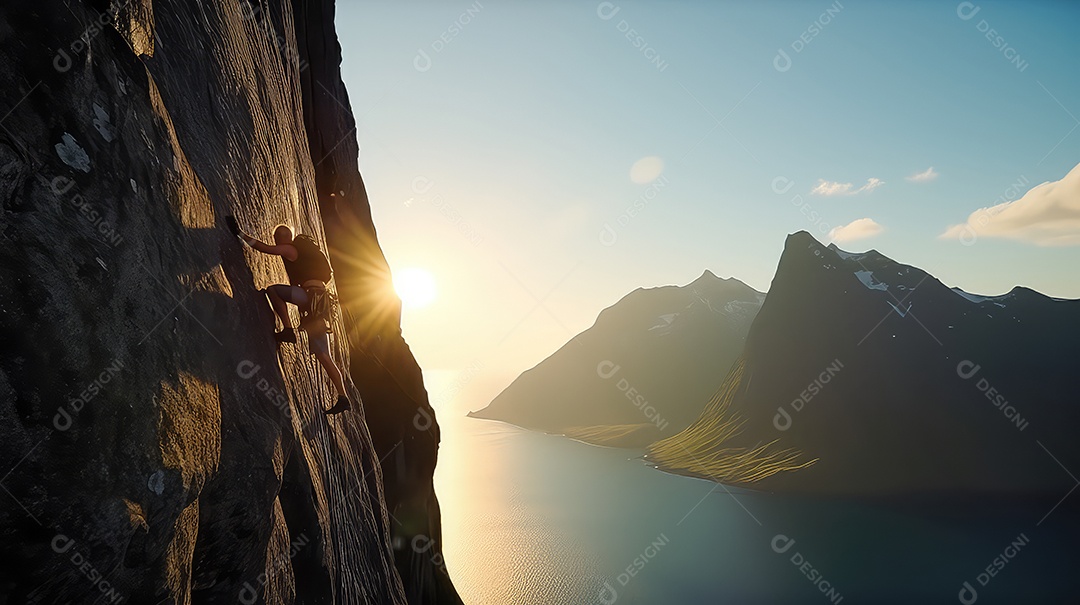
x=277, y=301
x=279, y=295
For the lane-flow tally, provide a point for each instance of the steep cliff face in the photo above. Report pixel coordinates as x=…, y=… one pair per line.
x=157, y=447
x=402, y=422
x=866, y=376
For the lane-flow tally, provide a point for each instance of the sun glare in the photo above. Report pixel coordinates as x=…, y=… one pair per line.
x=415, y=287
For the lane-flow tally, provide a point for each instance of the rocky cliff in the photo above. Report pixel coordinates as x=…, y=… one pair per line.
x=157, y=447
x=865, y=376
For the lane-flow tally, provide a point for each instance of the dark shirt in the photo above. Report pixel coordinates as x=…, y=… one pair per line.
x=309, y=265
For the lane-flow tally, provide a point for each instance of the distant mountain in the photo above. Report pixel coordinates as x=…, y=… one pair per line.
x=643, y=371
x=862, y=375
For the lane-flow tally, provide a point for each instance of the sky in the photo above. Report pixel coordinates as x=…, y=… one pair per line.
x=540, y=160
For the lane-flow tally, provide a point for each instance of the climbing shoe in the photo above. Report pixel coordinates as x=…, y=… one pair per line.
x=286, y=335
x=339, y=407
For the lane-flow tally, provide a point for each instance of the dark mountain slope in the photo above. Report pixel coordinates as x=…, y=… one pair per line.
x=870, y=376
x=643, y=370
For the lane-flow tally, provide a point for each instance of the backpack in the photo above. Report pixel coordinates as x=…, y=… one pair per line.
x=313, y=258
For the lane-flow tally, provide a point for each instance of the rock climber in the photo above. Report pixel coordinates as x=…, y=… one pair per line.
x=309, y=271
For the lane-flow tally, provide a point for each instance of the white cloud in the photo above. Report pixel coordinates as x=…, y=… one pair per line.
x=831, y=188
x=1047, y=215
x=646, y=170
x=871, y=184
x=925, y=176
x=855, y=230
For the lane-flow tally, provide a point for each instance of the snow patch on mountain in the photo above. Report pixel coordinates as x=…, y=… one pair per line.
x=742, y=308
x=664, y=321
x=844, y=254
x=867, y=279
x=976, y=298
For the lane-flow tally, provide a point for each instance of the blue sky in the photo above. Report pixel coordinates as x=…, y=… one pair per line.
x=495, y=157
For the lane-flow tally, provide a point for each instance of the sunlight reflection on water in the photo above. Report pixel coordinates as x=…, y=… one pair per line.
x=533, y=519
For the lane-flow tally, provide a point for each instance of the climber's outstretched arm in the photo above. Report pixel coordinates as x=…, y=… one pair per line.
x=286, y=250
x=281, y=250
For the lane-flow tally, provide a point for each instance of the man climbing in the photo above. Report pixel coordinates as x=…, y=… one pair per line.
x=309, y=271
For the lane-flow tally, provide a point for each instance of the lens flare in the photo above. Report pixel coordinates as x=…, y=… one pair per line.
x=415, y=287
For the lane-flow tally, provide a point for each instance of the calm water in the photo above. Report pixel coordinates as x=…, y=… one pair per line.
x=538, y=519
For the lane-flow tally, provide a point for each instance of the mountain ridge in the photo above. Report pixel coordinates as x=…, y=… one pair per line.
x=619, y=382
x=901, y=335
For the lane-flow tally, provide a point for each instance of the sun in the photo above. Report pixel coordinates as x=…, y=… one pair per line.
x=415, y=287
